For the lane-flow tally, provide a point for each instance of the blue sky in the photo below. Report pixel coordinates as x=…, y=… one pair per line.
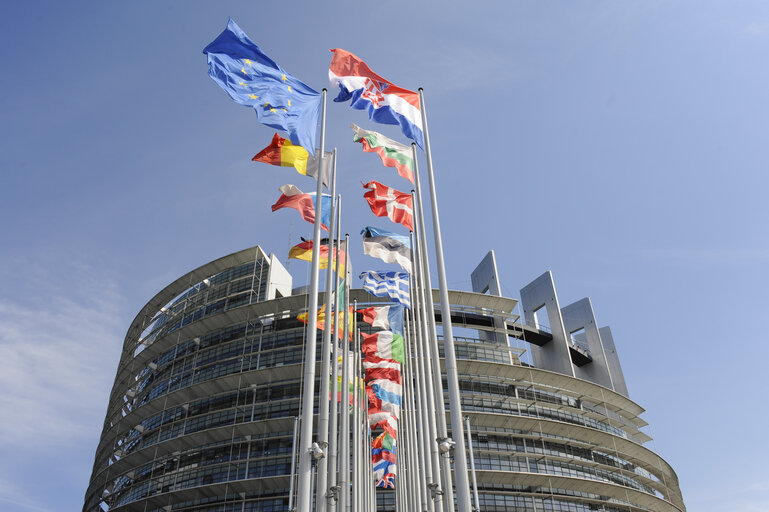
x=622, y=145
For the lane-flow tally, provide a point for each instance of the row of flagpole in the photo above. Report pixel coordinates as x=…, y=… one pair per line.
x=424, y=449
x=426, y=473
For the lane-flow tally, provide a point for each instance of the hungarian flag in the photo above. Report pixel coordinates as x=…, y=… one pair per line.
x=284, y=153
x=303, y=252
x=393, y=154
x=385, y=102
x=388, y=202
x=384, y=345
x=292, y=197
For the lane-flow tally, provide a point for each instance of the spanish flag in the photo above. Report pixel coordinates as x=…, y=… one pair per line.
x=303, y=252
x=321, y=321
x=282, y=152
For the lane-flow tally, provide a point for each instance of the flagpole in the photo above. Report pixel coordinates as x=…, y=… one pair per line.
x=304, y=498
x=333, y=445
x=409, y=412
x=418, y=422
x=431, y=367
x=325, y=365
x=455, y=405
x=344, y=433
x=356, y=424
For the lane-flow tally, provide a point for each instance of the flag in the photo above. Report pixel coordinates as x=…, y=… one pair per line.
x=384, y=420
x=292, y=197
x=378, y=373
x=387, y=481
x=303, y=252
x=380, y=399
x=388, y=202
x=383, y=448
x=384, y=345
x=371, y=362
x=253, y=79
x=389, y=318
x=391, y=284
x=386, y=102
x=321, y=321
x=284, y=153
x=384, y=441
x=387, y=246
x=392, y=153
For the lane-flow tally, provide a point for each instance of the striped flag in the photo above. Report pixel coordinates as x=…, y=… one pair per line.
x=384, y=345
x=292, y=197
x=389, y=318
x=391, y=284
x=388, y=202
x=387, y=246
x=385, y=102
x=284, y=153
x=393, y=154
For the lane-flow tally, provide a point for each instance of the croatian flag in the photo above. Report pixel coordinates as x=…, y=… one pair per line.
x=386, y=102
x=391, y=284
x=389, y=318
x=292, y=197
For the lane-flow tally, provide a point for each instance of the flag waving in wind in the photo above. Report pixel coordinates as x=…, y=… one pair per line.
x=386, y=102
x=392, y=153
x=388, y=202
x=389, y=318
x=292, y=197
x=284, y=153
x=303, y=252
x=390, y=284
x=387, y=246
x=253, y=79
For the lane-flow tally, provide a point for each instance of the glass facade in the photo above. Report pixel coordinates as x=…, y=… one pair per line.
x=201, y=415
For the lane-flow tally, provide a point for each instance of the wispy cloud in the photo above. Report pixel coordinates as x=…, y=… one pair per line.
x=60, y=338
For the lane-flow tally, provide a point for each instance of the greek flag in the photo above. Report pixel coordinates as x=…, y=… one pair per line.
x=391, y=284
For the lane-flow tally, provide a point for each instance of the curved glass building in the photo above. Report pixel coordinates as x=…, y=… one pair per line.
x=201, y=413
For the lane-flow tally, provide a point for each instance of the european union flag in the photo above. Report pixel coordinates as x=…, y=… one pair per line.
x=253, y=79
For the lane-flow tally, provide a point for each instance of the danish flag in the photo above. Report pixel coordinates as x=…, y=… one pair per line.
x=388, y=202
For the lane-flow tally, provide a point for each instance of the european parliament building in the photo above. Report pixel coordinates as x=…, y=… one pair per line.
x=201, y=413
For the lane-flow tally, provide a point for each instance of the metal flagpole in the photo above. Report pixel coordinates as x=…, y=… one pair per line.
x=293, y=466
x=333, y=445
x=355, y=424
x=304, y=497
x=325, y=365
x=476, y=505
x=419, y=422
x=409, y=414
x=344, y=433
x=455, y=405
x=433, y=384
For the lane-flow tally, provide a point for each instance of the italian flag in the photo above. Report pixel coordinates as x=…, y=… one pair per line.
x=393, y=154
x=384, y=345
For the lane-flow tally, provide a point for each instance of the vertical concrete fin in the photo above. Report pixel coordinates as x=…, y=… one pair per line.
x=485, y=278
x=577, y=316
x=615, y=369
x=554, y=355
x=279, y=281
